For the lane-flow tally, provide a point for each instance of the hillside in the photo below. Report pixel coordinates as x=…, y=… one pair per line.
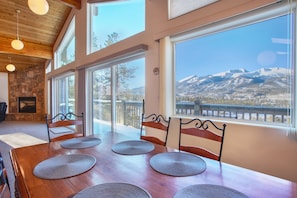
x=260, y=87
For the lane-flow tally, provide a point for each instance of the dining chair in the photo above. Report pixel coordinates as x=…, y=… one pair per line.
x=209, y=135
x=65, y=126
x=154, y=128
x=4, y=185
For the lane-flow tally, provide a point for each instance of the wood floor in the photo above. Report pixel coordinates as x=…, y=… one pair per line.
x=36, y=129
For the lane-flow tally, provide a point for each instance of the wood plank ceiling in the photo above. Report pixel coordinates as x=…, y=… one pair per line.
x=38, y=32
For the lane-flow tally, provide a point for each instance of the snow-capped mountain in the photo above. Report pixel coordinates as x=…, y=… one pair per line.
x=266, y=84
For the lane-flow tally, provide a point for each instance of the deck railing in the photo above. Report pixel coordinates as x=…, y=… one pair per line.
x=129, y=112
x=256, y=113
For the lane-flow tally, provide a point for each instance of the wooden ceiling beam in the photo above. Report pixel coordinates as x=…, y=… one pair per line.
x=73, y=3
x=30, y=49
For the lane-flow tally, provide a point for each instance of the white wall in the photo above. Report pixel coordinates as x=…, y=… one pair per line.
x=4, y=88
x=263, y=149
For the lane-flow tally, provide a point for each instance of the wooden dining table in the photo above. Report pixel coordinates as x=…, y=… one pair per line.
x=135, y=169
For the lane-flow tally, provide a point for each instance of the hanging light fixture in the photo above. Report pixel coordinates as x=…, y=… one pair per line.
x=10, y=67
x=39, y=7
x=17, y=43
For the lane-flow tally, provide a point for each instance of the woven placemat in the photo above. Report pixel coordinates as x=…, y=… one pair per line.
x=112, y=190
x=133, y=147
x=80, y=142
x=208, y=191
x=64, y=166
x=177, y=164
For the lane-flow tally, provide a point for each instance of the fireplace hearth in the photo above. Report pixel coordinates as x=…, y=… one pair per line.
x=27, y=104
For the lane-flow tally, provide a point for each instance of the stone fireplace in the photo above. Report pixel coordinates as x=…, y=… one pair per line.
x=26, y=94
x=27, y=104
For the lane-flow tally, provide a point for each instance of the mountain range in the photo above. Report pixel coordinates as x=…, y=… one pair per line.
x=259, y=87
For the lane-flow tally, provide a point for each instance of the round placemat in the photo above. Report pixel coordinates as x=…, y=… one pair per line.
x=64, y=166
x=80, y=142
x=208, y=191
x=177, y=164
x=109, y=190
x=133, y=147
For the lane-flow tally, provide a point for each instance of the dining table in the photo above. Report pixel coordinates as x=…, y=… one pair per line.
x=112, y=167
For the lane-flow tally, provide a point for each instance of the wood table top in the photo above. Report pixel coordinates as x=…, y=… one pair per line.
x=135, y=169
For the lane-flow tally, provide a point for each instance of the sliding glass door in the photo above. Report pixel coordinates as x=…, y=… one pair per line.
x=117, y=94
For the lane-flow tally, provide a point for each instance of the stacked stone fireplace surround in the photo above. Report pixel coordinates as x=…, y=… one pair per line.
x=29, y=82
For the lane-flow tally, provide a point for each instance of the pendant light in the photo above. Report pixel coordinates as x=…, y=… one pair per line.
x=10, y=67
x=39, y=7
x=17, y=43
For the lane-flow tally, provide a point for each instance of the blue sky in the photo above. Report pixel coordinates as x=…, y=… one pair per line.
x=255, y=46
x=129, y=13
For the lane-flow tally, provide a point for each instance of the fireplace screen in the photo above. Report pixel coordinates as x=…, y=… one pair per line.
x=27, y=104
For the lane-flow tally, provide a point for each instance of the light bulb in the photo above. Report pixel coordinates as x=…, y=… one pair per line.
x=17, y=44
x=39, y=7
x=10, y=67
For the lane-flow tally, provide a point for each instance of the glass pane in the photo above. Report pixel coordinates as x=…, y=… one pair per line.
x=48, y=68
x=65, y=53
x=102, y=100
x=130, y=81
x=241, y=73
x=179, y=7
x=114, y=21
x=65, y=94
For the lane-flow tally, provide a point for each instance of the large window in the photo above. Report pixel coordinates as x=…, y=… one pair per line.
x=64, y=94
x=243, y=71
x=179, y=7
x=65, y=53
x=111, y=22
x=117, y=93
x=48, y=68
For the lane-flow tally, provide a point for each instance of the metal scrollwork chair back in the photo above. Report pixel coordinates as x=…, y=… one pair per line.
x=154, y=121
x=205, y=130
x=65, y=126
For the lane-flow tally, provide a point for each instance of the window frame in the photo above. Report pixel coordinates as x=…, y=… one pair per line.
x=227, y=24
